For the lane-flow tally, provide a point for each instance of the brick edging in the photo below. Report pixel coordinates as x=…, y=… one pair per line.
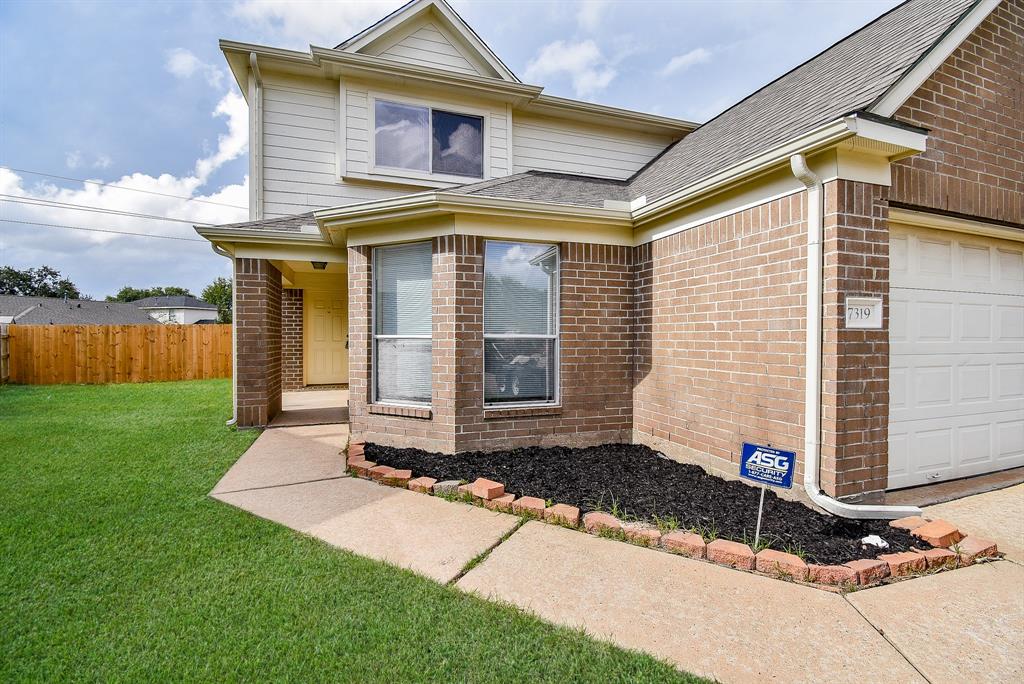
x=963, y=550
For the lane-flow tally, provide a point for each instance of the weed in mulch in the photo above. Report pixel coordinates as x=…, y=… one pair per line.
x=634, y=482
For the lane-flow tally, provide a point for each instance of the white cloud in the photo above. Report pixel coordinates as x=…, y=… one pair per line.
x=685, y=61
x=590, y=13
x=300, y=23
x=184, y=64
x=101, y=262
x=583, y=62
x=103, y=161
x=73, y=159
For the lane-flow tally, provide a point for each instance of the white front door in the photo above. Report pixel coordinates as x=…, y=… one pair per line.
x=956, y=364
x=326, y=333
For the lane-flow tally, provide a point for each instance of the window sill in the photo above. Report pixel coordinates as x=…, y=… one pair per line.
x=421, y=412
x=521, y=411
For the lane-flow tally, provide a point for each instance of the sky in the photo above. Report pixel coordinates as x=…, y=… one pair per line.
x=138, y=95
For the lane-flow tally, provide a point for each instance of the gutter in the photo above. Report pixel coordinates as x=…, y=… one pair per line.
x=812, y=363
x=217, y=249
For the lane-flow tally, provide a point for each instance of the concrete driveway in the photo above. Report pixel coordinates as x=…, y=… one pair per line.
x=965, y=625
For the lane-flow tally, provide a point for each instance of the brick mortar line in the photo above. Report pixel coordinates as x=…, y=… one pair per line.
x=889, y=641
x=278, y=486
x=486, y=553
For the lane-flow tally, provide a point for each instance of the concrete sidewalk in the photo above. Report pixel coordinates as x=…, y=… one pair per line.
x=965, y=625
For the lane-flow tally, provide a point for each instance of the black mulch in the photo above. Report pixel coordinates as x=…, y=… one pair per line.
x=641, y=484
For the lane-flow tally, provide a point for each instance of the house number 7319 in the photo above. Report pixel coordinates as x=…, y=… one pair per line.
x=864, y=313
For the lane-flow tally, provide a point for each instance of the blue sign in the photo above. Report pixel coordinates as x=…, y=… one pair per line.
x=767, y=466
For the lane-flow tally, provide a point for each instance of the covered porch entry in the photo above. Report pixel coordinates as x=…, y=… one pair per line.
x=291, y=325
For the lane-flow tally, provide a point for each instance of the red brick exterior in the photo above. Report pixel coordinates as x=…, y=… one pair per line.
x=855, y=363
x=291, y=340
x=257, y=321
x=596, y=356
x=974, y=107
x=720, y=336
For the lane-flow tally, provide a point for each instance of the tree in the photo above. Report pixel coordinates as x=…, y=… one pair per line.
x=219, y=292
x=131, y=294
x=37, y=282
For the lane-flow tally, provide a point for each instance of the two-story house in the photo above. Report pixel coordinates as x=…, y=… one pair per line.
x=834, y=265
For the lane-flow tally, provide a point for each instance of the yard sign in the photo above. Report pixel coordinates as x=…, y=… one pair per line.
x=771, y=468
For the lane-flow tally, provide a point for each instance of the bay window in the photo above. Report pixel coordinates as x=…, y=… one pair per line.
x=402, y=324
x=426, y=140
x=520, y=323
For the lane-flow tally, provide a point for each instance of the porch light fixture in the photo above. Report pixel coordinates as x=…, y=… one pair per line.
x=319, y=265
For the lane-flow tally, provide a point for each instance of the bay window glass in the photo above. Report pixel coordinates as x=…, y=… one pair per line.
x=402, y=323
x=520, y=323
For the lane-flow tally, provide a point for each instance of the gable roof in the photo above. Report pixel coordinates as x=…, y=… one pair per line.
x=845, y=78
x=457, y=43
x=173, y=302
x=57, y=311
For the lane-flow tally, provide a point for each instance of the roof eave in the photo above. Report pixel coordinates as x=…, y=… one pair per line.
x=873, y=135
x=220, y=234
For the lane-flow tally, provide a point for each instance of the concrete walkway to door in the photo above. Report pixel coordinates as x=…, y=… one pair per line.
x=965, y=625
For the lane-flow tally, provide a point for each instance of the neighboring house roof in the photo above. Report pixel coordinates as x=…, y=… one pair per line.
x=174, y=302
x=57, y=311
x=845, y=78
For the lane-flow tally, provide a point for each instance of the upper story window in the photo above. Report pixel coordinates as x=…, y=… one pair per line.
x=520, y=323
x=427, y=140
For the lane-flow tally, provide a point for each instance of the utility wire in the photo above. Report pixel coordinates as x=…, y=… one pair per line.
x=53, y=204
x=121, y=187
x=102, y=230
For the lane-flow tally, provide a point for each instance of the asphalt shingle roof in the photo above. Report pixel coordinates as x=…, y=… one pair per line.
x=174, y=301
x=541, y=186
x=297, y=223
x=57, y=311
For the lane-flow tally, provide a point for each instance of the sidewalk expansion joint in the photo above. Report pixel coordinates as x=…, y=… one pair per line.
x=278, y=486
x=889, y=641
x=482, y=556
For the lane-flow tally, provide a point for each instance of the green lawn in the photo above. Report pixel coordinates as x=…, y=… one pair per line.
x=116, y=566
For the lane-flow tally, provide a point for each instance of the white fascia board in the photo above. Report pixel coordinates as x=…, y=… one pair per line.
x=899, y=92
x=261, y=236
x=436, y=203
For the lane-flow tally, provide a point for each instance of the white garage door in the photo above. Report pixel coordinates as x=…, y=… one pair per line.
x=956, y=384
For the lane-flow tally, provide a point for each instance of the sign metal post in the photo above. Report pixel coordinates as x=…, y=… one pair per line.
x=768, y=467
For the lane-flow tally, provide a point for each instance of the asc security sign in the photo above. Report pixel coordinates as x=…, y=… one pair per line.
x=767, y=466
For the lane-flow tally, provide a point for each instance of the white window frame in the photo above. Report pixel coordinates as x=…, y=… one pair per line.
x=557, y=348
x=430, y=105
x=374, y=336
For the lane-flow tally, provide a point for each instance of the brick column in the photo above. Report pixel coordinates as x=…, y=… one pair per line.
x=855, y=366
x=257, y=320
x=360, y=329
x=291, y=339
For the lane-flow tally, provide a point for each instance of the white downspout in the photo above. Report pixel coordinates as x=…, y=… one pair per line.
x=234, y=338
x=812, y=393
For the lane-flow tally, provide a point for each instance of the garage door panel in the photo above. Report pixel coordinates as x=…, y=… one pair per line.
x=956, y=382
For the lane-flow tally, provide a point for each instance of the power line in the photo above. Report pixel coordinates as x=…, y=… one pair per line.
x=102, y=230
x=54, y=204
x=121, y=187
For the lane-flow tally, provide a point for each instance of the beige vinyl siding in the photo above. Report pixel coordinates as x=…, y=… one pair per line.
x=427, y=46
x=563, y=146
x=300, y=124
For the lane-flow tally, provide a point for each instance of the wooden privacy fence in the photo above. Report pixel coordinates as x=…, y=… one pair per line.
x=98, y=354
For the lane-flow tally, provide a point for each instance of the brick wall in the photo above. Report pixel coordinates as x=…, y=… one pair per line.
x=291, y=339
x=596, y=356
x=720, y=336
x=974, y=107
x=855, y=363
x=257, y=320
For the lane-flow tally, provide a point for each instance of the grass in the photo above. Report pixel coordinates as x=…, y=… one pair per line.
x=118, y=567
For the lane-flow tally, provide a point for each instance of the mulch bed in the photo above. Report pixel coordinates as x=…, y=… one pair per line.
x=639, y=483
